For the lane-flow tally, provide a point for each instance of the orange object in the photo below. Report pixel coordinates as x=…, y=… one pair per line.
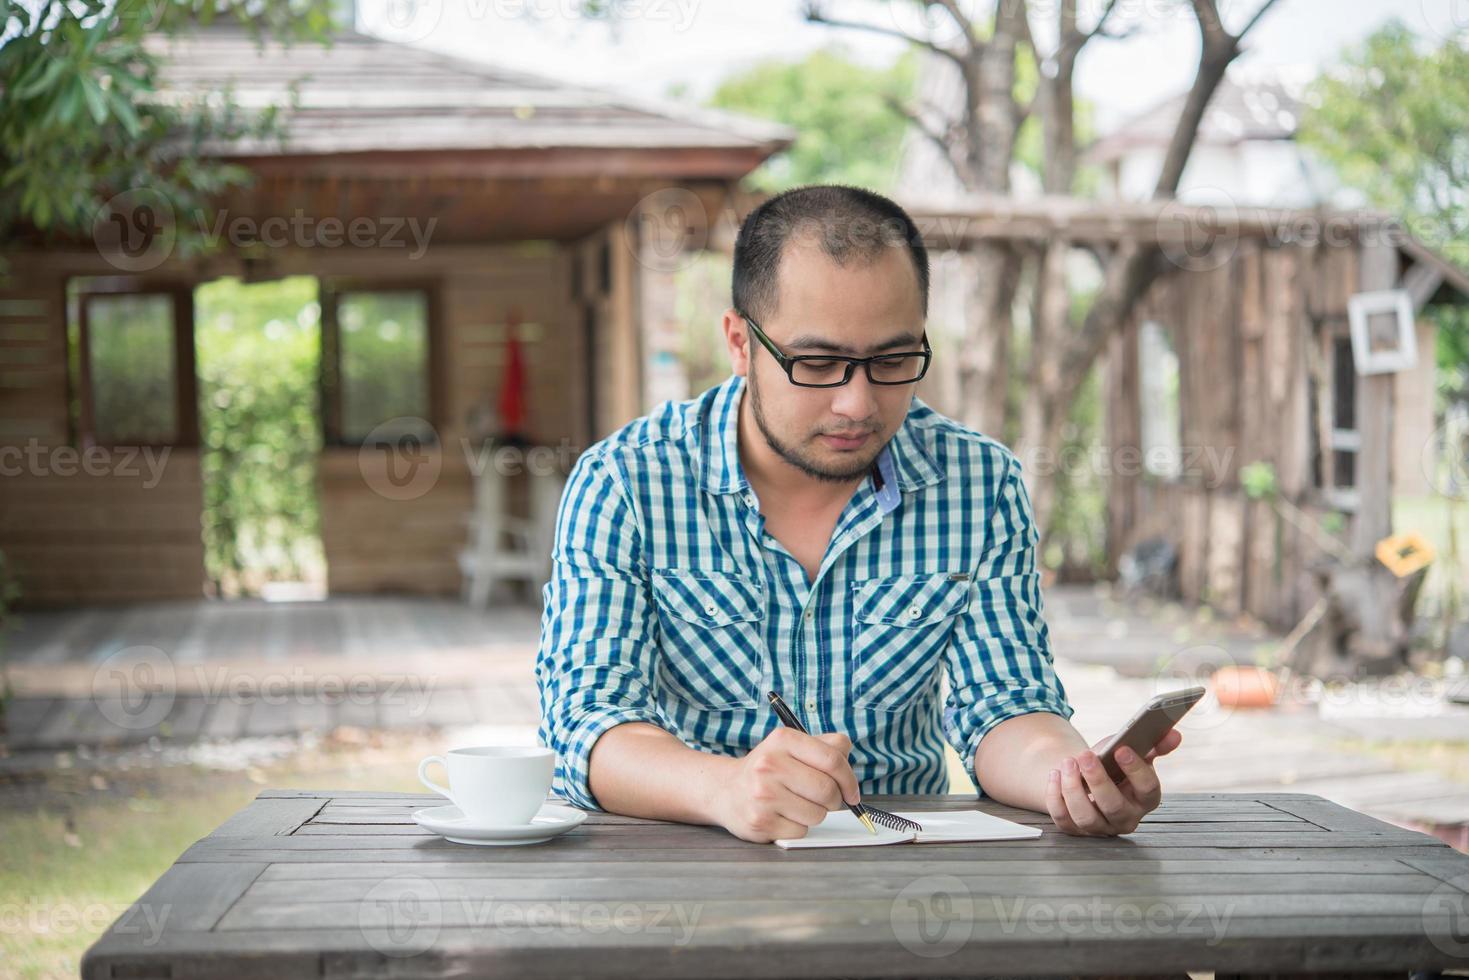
x=1245, y=687
x=1405, y=553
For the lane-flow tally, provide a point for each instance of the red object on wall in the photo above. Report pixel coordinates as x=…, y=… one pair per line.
x=513, y=387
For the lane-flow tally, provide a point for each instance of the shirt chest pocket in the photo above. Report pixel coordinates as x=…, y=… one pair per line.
x=901, y=625
x=711, y=638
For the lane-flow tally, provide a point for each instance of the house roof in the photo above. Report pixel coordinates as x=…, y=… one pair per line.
x=361, y=94
x=1247, y=105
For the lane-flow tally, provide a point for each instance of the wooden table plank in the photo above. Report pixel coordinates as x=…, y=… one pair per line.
x=321, y=884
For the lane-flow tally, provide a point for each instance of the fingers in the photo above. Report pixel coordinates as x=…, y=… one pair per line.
x=1121, y=814
x=1084, y=813
x=1142, y=779
x=1056, y=805
x=1170, y=741
x=828, y=754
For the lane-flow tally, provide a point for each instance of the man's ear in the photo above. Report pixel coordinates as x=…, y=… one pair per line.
x=737, y=342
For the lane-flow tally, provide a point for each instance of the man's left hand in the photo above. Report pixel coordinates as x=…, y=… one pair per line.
x=1083, y=800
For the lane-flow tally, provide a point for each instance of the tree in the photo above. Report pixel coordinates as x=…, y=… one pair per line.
x=80, y=121
x=849, y=130
x=1393, y=119
x=981, y=143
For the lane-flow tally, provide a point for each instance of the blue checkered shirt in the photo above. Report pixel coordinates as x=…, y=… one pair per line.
x=670, y=603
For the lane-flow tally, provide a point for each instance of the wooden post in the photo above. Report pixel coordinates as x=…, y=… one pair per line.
x=1378, y=270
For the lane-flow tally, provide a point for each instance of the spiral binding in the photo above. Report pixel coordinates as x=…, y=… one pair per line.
x=890, y=820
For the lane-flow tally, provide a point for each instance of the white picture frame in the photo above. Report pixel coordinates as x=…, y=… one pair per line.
x=1384, y=335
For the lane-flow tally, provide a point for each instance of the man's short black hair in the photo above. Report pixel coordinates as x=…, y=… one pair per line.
x=848, y=222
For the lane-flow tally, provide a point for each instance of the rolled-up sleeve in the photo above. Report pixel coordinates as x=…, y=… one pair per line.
x=999, y=661
x=595, y=660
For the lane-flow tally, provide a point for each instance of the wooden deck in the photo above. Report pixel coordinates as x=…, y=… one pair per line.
x=317, y=883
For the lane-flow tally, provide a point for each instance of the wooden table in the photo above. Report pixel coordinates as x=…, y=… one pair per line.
x=324, y=884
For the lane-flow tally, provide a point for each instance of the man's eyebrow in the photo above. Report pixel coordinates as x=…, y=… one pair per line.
x=814, y=342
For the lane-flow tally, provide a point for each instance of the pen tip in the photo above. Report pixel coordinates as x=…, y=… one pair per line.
x=868, y=821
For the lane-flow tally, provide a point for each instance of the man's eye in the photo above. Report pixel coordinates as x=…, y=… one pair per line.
x=820, y=365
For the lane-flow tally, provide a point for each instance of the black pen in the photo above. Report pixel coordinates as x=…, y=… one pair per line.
x=790, y=720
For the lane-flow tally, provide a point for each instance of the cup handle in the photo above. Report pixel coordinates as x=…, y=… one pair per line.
x=423, y=776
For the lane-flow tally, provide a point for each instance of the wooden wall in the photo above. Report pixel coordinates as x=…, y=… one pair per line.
x=106, y=528
x=103, y=538
x=1243, y=334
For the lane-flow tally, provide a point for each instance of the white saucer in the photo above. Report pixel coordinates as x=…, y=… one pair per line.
x=450, y=823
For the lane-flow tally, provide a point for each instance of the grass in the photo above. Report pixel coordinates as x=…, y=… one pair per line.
x=72, y=864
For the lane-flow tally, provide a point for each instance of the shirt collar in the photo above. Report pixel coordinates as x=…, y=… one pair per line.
x=911, y=463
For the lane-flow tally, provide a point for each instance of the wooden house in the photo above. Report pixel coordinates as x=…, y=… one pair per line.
x=1241, y=352
x=481, y=196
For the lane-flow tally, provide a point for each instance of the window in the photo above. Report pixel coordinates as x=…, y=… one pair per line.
x=135, y=368
x=377, y=365
x=1158, y=399
x=1335, y=440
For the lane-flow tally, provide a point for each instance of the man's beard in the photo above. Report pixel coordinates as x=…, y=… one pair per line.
x=794, y=456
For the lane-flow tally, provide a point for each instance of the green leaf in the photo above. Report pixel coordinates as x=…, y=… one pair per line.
x=96, y=101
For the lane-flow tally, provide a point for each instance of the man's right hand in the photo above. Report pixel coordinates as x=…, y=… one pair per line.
x=786, y=785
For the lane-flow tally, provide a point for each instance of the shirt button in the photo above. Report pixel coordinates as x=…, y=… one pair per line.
x=914, y=612
x=711, y=609
x=749, y=500
x=810, y=704
x=809, y=613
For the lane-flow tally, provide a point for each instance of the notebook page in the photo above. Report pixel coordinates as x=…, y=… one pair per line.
x=967, y=825
x=842, y=829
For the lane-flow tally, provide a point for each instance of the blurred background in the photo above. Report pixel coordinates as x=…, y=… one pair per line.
x=307, y=309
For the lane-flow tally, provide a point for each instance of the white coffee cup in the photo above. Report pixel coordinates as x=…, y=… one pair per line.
x=495, y=785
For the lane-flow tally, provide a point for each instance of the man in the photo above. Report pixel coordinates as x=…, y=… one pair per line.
x=809, y=527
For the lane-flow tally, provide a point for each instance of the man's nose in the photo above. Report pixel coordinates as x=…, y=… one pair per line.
x=856, y=399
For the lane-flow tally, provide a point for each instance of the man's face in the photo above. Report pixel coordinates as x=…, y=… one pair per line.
x=857, y=310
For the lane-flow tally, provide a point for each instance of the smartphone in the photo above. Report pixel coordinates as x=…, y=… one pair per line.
x=1151, y=723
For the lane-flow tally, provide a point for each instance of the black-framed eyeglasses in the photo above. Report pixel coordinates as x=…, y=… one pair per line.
x=835, y=370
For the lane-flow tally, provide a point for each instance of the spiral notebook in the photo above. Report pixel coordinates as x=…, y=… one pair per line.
x=842, y=829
